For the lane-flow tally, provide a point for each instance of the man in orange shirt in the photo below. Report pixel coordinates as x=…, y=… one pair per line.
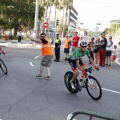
x=47, y=53
x=66, y=47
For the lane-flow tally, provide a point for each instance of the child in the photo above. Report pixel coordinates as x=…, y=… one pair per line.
x=114, y=51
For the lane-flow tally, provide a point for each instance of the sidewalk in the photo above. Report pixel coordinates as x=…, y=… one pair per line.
x=23, y=43
x=15, y=43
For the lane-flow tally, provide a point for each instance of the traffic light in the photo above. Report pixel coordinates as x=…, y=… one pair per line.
x=98, y=23
x=81, y=23
x=57, y=22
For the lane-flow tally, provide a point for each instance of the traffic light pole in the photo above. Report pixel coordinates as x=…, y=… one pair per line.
x=36, y=16
x=45, y=30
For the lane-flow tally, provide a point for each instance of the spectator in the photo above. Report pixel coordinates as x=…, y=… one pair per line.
x=19, y=36
x=10, y=35
x=114, y=52
x=57, y=48
x=91, y=48
x=96, y=51
x=66, y=47
x=109, y=51
x=75, y=41
x=103, y=44
x=52, y=40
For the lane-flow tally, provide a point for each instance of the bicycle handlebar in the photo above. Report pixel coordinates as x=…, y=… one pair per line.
x=90, y=69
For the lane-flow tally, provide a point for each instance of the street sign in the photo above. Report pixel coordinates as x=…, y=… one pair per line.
x=45, y=24
x=97, y=28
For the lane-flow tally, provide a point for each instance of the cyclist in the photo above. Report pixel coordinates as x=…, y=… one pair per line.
x=2, y=51
x=75, y=61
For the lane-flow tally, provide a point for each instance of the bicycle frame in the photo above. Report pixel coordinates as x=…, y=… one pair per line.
x=89, y=70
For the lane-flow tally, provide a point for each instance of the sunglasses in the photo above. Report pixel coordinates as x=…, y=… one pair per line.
x=84, y=46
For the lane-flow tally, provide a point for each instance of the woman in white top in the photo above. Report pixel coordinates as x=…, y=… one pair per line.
x=109, y=51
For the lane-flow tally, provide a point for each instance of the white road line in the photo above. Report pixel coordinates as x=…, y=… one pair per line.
x=111, y=90
x=118, y=59
x=37, y=57
x=31, y=64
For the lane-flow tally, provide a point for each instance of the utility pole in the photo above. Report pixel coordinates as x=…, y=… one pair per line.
x=36, y=17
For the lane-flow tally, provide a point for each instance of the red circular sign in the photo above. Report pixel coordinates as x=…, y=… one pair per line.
x=45, y=24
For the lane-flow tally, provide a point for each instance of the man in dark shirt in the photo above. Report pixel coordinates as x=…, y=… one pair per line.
x=57, y=48
x=103, y=44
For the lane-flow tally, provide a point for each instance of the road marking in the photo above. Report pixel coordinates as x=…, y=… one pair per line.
x=118, y=59
x=37, y=57
x=31, y=64
x=111, y=90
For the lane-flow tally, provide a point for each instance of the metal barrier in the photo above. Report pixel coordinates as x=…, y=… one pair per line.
x=71, y=116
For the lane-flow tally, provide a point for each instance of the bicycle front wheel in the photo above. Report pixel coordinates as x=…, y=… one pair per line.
x=93, y=88
x=3, y=67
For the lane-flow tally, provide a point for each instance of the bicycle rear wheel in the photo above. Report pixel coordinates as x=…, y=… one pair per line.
x=93, y=88
x=3, y=67
x=68, y=76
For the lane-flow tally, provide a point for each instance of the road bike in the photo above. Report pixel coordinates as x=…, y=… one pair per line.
x=3, y=67
x=91, y=84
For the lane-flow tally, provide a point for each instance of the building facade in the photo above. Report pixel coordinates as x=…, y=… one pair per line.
x=67, y=17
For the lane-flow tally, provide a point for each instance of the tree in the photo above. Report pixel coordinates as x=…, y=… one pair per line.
x=18, y=14
x=67, y=4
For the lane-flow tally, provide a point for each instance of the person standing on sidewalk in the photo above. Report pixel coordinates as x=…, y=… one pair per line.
x=96, y=51
x=91, y=48
x=66, y=47
x=103, y=44
x=75, y=41
x=47, y=53
x=57, y=48
x=19, y=36
x=109, y=51
x=10, y=35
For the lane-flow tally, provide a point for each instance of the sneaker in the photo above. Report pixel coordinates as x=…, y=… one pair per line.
x=39, y=76
x=72, y=85
x=47, y=77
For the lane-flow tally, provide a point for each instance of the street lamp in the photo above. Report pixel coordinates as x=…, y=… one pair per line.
x=36, y=16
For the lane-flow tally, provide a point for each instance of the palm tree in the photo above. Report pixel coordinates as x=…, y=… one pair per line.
x=67, y=4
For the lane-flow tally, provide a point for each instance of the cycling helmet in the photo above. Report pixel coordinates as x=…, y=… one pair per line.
x=83, y=43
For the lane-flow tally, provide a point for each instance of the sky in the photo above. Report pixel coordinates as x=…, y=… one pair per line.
x=91, y=12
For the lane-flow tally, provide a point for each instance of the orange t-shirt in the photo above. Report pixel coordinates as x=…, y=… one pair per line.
x=47, y=48
x=67, y=43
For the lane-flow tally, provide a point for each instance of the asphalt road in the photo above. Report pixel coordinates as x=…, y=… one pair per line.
x=23, y=97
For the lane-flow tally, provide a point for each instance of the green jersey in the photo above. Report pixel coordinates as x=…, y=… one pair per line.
x=77, y=54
